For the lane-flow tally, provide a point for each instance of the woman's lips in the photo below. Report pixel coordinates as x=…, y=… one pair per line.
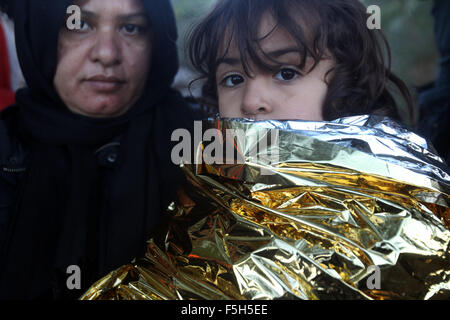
x=102, y=83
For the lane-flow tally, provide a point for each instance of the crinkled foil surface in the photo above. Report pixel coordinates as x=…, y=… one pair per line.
x=356, y=208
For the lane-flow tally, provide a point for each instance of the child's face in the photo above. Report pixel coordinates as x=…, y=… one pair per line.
x=288, y=93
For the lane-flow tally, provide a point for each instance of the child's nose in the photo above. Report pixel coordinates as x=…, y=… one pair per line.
x=256, y=98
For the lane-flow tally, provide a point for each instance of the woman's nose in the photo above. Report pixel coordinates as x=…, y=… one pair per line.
x=256, y=98
x=106, y=49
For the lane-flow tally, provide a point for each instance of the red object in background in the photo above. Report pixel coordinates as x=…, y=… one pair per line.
x=7, y=96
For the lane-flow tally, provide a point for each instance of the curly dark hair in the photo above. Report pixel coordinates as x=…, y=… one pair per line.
x=360, y=81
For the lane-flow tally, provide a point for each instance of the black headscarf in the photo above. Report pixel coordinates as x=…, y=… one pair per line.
x=70, y=210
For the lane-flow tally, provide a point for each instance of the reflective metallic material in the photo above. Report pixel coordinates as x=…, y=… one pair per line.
x=356, y=208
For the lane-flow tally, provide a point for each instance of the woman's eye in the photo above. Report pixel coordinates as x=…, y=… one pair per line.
x=232, y=80
x=83, y=27
x=131, y=29
x=287, y=74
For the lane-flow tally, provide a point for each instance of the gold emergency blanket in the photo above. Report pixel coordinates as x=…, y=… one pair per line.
x=356, y=208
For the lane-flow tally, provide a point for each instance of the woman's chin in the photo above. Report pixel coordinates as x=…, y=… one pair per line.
x=104, y=109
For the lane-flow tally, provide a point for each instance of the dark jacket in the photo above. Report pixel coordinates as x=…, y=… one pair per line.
x=13, y=155
x=12, y=166
x=434, y=99
x=76, y=190
x=14, y=160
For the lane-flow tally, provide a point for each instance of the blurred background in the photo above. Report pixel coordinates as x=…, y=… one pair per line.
x=407, y=24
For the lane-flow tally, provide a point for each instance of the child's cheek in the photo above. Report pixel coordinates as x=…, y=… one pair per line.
x=304, y=101
x=230, y=103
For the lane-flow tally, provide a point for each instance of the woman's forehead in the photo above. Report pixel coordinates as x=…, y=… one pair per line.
x=111, y=7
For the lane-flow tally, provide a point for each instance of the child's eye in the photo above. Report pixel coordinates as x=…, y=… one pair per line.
x=131, y=29
x=232, y=80
x=287, y=74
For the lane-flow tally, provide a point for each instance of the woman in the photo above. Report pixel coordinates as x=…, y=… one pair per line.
x=85, y=155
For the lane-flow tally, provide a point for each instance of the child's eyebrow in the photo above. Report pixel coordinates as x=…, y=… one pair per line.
x=229, y=61
x=273, y=54
x=281, y=52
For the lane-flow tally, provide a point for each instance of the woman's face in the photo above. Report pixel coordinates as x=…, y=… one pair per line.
x=103, y=66
x=288, y=93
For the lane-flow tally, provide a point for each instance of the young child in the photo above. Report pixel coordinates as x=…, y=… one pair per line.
x=295, y=59
x=353, y=210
